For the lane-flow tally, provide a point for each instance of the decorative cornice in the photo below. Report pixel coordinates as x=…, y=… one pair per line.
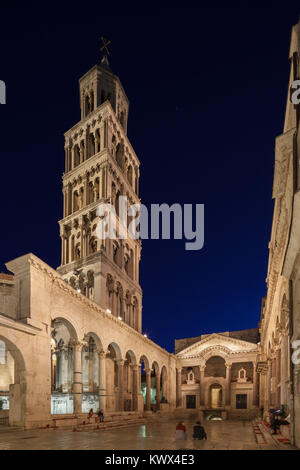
x=228, y=339
x=16, y=325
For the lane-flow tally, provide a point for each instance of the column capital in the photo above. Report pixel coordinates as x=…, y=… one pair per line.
x=178, y=370
x=148, y=371
x=228, y=365
x=101, y=354
x=77, y=345
x=120, y=362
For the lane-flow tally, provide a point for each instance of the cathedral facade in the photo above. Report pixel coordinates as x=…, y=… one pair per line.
x=71, y=339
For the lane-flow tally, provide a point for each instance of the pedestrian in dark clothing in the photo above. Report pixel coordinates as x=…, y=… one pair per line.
x=199, y=432
x=100, y=416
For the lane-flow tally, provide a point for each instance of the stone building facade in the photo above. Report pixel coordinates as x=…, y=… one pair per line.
x=278, y=364
x=71, y=339
x=217, y=375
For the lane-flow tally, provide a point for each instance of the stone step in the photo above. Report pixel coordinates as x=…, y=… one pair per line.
x=110, y=425
x=259, y=436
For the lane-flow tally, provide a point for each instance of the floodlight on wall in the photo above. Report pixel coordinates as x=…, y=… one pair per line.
x=108, y=311
x=146, y=336
x=78, y=290
x=120, y=318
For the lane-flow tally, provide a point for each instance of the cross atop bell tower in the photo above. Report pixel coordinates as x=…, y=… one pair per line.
x=104, y=48
x=98, y=85
x=101, y=166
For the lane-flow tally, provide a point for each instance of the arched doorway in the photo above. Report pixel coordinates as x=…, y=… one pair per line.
x=90, y=374
x=12, y=384
x=145, y=383
x=155, y=386
x=114, y=378
x=164, y=395
x=130, y=382
x=62, y=366
x=216, y=396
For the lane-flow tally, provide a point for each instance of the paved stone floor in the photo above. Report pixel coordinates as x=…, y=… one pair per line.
x=232, y=435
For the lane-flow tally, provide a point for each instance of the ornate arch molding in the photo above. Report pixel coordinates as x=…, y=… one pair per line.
x=212, y=351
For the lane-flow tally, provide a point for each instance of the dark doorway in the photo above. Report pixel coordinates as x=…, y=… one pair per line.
x=241, y=402
x=191, y=401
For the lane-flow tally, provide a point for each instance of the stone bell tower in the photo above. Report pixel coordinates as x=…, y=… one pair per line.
x=100, y=166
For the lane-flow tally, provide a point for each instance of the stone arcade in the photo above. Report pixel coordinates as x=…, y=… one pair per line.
x=71, y=339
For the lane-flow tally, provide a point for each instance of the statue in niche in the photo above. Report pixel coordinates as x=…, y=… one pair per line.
x=81, y=198
x=77, y=252
x=90, y=276
x=93, y=245
x=242, y=376
x=190, y=377
x=110, y=283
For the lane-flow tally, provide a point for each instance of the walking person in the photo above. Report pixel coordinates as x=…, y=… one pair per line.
x=199, y=431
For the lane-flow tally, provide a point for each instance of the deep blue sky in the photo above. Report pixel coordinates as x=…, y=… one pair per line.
x=207, y=90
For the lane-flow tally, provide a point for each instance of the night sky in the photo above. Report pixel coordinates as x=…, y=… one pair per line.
x=207, y=90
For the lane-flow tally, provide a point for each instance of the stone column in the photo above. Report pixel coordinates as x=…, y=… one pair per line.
x=202, y=375
x=140, y=395
x=91, y=370
x=255, y=386
x=77, y=381
x=268, y=385
x=62, y=249
x=65, y=248
x=273, y=382
x=277, y=374
x=178, y=388
x=66, y=159
x=284, y=372
x=157, y=383
x=135, y=387
x=102, y=136
x=103, y=185
x=86, y=143
x=228, y=385
x=102, y=380
x=148, y=389
x=81, y=151
x=120, y=363
x=86, y=189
